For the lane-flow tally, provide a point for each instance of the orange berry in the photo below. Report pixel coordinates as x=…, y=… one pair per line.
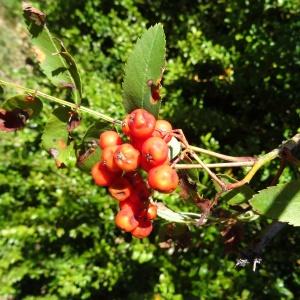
x=126, y=220
x=154, y=152
x=163, y=129
x=109, y=138
x=125, y=126
x=101, y=175
x=120, y=189
x=107, y=159
x=152, y=211
x=163, y=179
x=143, y=229
x=133, y=203
x=127, y=157
x=141, y=123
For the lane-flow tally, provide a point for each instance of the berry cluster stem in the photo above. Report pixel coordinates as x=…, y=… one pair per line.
x=60, y=101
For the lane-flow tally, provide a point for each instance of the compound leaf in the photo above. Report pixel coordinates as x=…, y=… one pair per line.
x=54, y=60
x=28, y=103
x=143, y=72
x=280, y=202
x=55, y=138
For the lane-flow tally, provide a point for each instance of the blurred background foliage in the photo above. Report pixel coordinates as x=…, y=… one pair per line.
x=231, y=83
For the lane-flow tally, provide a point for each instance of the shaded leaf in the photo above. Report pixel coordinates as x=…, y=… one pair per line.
x=54, y=60
x=74, y=121
x=280, y=202
x=93, y=132
x=27, y=103
x=193, y=174
x=12, y=120
x=236, y=196
x=89, y=158
x=90, y=152
x=143, y=72
x=55, y=137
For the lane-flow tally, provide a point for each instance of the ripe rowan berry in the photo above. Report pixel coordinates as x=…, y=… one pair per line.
x=133, y=203
x=163, y=179
x=107, y=159
x=154, y=152
x=125, y=126
x=143, y=229
x=109, y=138
x=120, y=189
x=163, y=129
x=101, y=175
x=141, y=124
x=152, y=211
x=126, y=220
x=127, y=157
x=137, y=143
x=140, y=186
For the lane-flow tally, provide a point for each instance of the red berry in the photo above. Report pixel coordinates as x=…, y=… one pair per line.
x=141, y=124
x=133, y=203
x=152, y=211
x=125, y=126
x=127, y=157
x=163, y=129
x=120, y=189
x=107, y=158
x=101, y=175
x=154, y=151
x=143, y=229
x=126, y=220
x=163, y=179
x=109, y=138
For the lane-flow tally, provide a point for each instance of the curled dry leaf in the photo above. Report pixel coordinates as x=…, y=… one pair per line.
x=11, y=120
x=38, y=17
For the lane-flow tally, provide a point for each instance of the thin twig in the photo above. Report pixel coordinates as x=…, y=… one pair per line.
x=61, y=101
x=215, y=165
x=222, y=156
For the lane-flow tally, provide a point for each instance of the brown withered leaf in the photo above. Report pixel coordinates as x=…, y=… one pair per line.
x=12, y=120
x=38, y=17
x=74, y=121
x=155, y=91
x=232, y=234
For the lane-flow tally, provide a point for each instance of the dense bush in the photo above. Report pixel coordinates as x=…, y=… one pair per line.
x=231, y=84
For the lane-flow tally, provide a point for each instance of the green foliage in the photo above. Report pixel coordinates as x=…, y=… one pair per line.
x=143, y=71
x=55, y=61
x=281, y=202
x=230, y=83
x=55, y=137
x=32, y=105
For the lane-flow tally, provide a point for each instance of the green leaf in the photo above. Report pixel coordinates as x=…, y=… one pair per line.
x=55, y=137
x=30, y=104
x=93, y=132
x=89, y=158
x=54, y=60
x=236, y=196
x=143, y=71
x=280, y=202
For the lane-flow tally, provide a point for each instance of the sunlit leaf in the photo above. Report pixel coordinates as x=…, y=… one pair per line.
x=280, y=202
x=54, y=60
x=55, y=138
x=28, y=103
x=143, y=71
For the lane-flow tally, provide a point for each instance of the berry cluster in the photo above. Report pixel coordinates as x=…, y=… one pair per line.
x=119, y=166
